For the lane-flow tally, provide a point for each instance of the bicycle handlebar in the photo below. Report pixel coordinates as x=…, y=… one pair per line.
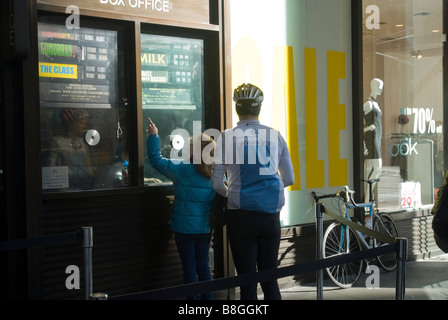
x=345, y=194
x=371, y=180
x=317, y=198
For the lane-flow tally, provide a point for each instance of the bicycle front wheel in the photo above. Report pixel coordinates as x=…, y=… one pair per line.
x=386, y=225
x=339, y=239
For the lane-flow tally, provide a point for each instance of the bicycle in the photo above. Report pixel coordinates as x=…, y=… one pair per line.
x=341, y=239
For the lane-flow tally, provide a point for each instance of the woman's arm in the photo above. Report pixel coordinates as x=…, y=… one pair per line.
x=169, y=168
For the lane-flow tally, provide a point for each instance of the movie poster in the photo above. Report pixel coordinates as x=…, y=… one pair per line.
x=77, y=68
x=171, y=72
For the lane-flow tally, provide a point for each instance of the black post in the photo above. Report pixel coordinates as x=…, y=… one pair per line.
x=87, y=244
x=319, y=255
x=401, y=250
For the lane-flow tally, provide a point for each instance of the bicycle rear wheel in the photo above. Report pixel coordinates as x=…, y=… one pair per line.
x=387, y=225
x=339, y=240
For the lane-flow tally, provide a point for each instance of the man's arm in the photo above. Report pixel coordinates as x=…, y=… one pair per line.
x=218, y=184
x=285, y=167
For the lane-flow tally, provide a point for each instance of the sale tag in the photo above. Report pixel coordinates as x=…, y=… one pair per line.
x=410, y=194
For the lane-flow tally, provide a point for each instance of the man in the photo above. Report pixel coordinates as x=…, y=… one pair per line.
x=251, y=156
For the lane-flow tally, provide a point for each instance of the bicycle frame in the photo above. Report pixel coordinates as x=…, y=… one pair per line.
x=339, y=240
x=372, y=216
x=352, y=205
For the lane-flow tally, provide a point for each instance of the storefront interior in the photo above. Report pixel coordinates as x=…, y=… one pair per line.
x=405, y=50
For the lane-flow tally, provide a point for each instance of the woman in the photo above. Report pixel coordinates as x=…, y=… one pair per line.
x=71, y=150
x=193, y=198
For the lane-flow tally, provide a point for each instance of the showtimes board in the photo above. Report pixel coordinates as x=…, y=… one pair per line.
x=78, y=67
x=171, y=72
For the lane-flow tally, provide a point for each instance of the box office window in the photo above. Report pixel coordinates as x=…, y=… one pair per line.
x=83, y=106
x=402, y=85
x=172, y=93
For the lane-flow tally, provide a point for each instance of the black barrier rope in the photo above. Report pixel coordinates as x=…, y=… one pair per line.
x=186, y=290
x=372, y=233
x=393, y=245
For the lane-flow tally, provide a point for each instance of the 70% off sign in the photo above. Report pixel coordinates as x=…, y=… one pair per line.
x=423, y=120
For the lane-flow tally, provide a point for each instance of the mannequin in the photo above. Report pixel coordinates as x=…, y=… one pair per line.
x=372, y=134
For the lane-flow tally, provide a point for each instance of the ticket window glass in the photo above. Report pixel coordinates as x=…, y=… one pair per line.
x=83, y=106
x=402, y=47
x=172, y=94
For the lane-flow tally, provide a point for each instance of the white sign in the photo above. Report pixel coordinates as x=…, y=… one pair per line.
x=54, y=177
x=197, y=11
x=155, y=5
x=411, y=195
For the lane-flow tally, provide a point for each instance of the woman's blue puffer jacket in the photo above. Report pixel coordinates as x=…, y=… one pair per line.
x=193, y=193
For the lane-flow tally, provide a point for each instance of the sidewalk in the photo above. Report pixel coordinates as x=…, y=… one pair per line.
x=425, y=280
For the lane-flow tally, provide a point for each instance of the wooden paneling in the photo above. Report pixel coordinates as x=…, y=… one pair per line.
x=133, y=247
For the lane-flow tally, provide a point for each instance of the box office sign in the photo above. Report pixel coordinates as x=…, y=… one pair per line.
x=196, y=11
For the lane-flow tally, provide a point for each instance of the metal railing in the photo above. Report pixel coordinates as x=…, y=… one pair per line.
x=86, y=237
x=399, y=246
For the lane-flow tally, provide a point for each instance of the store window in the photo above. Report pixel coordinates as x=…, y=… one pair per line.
x=403, y=92
x=83, y=106
x=172, y=94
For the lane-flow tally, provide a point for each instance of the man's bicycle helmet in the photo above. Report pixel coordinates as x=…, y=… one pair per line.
x=248, y=99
